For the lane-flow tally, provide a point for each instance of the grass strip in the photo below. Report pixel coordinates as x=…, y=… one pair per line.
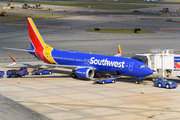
x=123, y=31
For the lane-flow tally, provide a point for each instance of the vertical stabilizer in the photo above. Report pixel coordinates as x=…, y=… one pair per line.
x=119, y=53
x=35, y=38
x=43, y=51
x=119, y=50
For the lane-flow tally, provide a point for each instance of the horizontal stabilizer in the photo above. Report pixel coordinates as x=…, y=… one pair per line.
x=20, y=49
x=14, y=60
x=12, y=64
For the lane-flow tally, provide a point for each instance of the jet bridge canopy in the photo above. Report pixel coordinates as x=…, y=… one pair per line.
x=141, y=58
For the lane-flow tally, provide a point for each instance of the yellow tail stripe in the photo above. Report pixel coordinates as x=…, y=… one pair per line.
x=47, y=53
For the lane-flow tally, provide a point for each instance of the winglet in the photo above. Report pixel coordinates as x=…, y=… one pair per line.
x=119, y=53
x=12, y=57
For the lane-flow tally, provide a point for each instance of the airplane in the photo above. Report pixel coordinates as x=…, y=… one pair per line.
x=83, y=65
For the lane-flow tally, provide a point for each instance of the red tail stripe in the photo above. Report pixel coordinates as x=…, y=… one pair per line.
x=33, y=37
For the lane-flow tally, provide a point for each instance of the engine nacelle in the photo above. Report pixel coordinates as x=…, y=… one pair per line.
x=86, y=73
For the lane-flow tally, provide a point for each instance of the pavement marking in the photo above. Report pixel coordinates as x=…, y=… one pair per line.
x=45, y=104
x=15, y=43
x=19, y=30
x=18, y=108
x=160, y=94
x=140, y=43
x=3, y=111
x=56, y=107
x=28, y=100
x=19, y=58
x=127, y=108
x=5, y=27
x=167, y=42
x=9, y=81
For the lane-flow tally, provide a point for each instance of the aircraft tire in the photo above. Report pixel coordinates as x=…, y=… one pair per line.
x=73, y=75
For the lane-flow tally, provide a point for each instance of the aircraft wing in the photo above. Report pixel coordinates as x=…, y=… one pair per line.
x=19, y=49
x=55, y=65
x=49, y=65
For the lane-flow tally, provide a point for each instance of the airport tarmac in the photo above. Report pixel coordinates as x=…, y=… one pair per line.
x=11, y=110
x=60, y=97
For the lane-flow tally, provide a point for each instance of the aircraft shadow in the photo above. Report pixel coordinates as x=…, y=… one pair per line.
x=45, y=76
x=126, y=80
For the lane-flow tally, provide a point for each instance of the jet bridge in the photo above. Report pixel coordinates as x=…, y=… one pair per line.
x=162, y=62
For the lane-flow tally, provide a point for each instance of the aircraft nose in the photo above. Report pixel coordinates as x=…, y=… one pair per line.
x=148, y=71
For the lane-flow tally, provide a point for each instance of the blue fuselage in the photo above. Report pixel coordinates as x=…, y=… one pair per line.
x=102, y=63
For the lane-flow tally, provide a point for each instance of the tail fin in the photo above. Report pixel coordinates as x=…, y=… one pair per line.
x=43, y=51
x=35, y=38
x=119, y=50
x=14, y=61
x=119, y=53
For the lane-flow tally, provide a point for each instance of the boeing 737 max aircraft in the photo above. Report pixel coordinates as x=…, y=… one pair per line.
x=84, y=65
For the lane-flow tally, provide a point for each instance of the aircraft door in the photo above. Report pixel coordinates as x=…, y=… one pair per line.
x=86, y=61
x=131, y=66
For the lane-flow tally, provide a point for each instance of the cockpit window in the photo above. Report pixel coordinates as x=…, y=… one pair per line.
x=142, y=66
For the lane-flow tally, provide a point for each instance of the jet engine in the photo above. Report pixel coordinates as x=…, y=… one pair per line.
x=85, y=73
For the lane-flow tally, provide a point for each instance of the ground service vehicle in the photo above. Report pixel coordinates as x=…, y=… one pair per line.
x=38, y=6
x=25, y=69
x=1, y=74
x=15, y=73
x=26, y=6
x=105, y=80
x=3, y=13
x=165, y=10
x=9, y=5
x=42, y=72
x=163, y=82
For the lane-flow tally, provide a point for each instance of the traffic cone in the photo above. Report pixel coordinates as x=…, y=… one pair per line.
x=142, y=92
